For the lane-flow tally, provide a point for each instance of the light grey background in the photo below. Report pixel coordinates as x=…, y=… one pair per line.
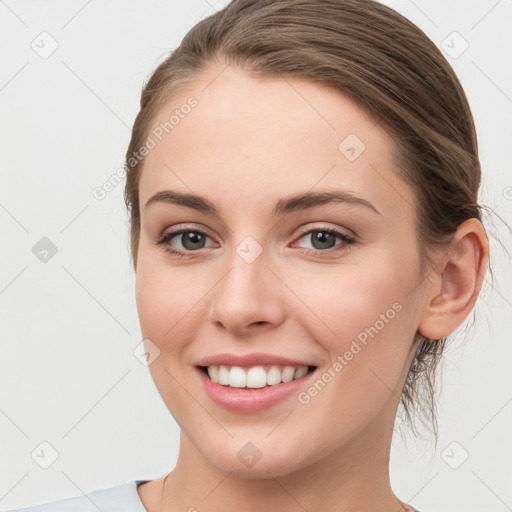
x=69, y=376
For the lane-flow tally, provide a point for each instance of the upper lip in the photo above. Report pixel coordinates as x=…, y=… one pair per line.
x=253, y=359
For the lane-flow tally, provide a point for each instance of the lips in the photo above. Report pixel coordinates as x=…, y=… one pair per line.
x=248, y=360
x=246, y=400
x=251, y=382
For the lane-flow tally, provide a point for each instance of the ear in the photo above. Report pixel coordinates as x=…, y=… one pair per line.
x=455, y=284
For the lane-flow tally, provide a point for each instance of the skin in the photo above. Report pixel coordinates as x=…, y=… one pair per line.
x=248, y=143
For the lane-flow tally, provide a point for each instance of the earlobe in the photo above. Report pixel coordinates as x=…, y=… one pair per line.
x=459, y=276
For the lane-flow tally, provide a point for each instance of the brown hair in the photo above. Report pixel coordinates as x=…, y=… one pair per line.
x=384, y=63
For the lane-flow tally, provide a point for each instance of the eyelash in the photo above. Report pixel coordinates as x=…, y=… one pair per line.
x=166, y=237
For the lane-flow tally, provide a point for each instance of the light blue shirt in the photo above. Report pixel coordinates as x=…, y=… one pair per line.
x=122, y=498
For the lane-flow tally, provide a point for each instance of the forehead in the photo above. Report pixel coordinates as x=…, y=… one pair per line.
x=270, y=136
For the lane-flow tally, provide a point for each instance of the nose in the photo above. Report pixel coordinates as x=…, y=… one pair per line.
x=248, y=299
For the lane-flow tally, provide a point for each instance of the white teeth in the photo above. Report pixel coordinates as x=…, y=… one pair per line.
x=256, y=376
x=237, y=377
x=288, y=373
x=223, y=375
x=274, y=376
x=213, y=373
x=300, y=372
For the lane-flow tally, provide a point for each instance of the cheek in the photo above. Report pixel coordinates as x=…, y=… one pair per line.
x=167, y=317
x=364, y=315
x=345, y=302
x=168, y=302
x=373, y=329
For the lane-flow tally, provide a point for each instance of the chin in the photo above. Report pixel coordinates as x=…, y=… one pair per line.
x=248, y=461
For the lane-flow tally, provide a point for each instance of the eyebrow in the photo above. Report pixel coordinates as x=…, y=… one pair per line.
x=288, y=204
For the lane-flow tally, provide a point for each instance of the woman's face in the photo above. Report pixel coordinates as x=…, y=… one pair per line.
x=266, y=275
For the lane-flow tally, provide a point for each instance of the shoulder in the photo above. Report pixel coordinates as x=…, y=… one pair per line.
x=112, y=499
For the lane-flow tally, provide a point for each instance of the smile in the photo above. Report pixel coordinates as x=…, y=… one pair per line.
x=255, y=376
x=255, y=388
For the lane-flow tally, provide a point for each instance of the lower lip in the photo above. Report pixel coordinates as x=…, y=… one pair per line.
x=247, y=399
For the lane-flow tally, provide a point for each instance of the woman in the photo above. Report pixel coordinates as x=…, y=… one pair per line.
x=302, y=180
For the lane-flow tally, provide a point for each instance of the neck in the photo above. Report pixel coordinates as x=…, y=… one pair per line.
x=353, y=477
